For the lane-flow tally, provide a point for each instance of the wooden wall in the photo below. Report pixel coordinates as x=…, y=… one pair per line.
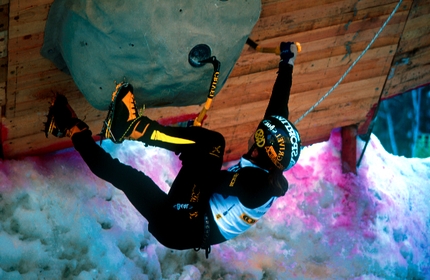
x=411, y=64
x=332, y=33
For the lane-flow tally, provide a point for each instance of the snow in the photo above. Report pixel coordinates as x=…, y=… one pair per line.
x=59, y=221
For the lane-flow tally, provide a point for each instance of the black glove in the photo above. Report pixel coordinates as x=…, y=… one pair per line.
x=288, y=52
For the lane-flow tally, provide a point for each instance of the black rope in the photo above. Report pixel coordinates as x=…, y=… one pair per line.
x=368, y=134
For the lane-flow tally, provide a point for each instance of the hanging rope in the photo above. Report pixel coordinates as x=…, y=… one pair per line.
x=352, y=65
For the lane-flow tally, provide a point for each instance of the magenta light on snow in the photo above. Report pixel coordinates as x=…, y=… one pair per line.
x=57, y=220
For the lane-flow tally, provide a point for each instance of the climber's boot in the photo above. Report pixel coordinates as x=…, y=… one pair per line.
x=62, y=120
x=122, y=115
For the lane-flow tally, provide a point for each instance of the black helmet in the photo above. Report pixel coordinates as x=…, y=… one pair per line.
x=278, y=143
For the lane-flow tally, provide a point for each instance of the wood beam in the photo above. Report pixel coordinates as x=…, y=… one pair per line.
x=349, y=149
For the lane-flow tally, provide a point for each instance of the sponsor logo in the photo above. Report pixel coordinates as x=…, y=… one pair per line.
x=194, y=195
x=194, y=198
x=182, y=206
x=216, y=151
x=281, y=150
x=234, y=168
x=259, y=138
x=213, y=85
x=273, y=156
x=294, y=139
x=270, y=126
x=233, y=180
x=194, y=215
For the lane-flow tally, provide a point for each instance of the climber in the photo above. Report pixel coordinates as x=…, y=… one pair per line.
x=205, y=205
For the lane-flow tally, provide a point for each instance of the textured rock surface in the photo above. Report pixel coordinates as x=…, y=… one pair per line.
x=147, y=43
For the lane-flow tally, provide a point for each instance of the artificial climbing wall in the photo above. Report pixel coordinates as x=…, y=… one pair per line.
x=332, y=33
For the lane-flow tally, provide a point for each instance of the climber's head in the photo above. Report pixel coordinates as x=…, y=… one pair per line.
x=276, y=144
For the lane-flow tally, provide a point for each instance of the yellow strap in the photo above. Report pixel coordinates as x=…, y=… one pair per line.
x=159, y=136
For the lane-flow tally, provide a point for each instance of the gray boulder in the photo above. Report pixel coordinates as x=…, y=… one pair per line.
x=147, y=43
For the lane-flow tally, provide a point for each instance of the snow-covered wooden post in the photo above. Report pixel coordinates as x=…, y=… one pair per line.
x=349, y=148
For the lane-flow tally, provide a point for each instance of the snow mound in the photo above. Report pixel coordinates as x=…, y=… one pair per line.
x=57, y=220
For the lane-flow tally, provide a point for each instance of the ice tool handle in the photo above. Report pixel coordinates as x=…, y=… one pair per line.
x=276, y=50
x=217, y=65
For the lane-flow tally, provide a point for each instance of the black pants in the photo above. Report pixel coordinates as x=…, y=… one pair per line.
x=176, y=218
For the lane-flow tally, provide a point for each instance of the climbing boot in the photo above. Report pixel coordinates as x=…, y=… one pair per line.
x=122, y=114
x=62, y=118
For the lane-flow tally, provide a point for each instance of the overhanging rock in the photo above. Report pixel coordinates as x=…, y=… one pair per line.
x=147, y=43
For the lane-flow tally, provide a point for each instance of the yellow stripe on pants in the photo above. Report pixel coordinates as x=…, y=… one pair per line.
x=159, y=136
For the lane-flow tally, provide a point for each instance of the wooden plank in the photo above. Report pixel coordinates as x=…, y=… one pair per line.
x=343, y=96
x=284, y=6
x=30, y=87
x=3, y=43
x=35, y=144
x=408, y=78
x=17, y=6
x=3, y=75
x=4, y=24
x=350, y=113
x=236, y=146
x=25, y=136
x=237, y=139
x=319, y=17
x=42, y=87
x=258, y=86
x=4, y=16
x=325, y=42
x=346, y=114
x=28, y=124
x=24, y=124
x=31, y=68
x=277, y=7
x=2, y=94
x=311, y=131
x=416, y=27
x=37, y=66
x=17, y=31
x=410, y=67
x=331, y=38
x=26, y=48
x=26, y=26
x=418, y=41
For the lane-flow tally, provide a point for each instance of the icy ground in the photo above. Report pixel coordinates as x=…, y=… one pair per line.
x=58, y=221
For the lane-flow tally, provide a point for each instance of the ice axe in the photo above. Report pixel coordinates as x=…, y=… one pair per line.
x=276, y=50
x=198, y=121
x=199, y=56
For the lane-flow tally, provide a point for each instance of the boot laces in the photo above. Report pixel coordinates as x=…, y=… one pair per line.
x=134, y=106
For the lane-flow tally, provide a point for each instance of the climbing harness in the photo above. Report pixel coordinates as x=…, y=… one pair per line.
x=352, y=65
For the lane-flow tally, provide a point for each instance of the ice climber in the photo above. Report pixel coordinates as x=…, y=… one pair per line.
x=205, y=205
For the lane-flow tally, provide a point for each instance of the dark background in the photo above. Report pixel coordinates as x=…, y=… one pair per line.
x=403, y=123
